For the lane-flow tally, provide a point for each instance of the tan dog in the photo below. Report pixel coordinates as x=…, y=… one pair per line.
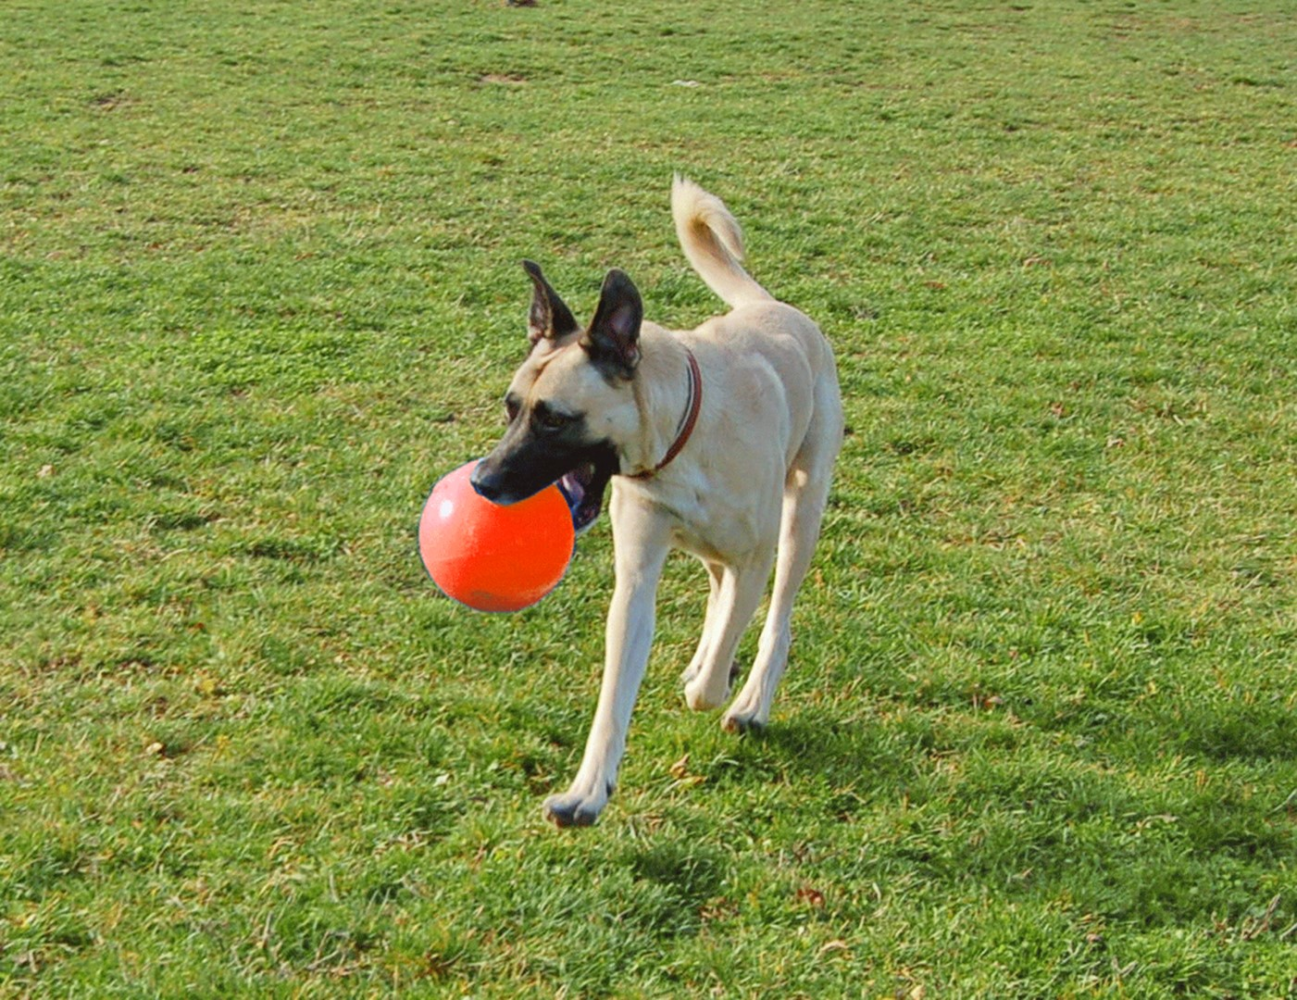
x=719, y=441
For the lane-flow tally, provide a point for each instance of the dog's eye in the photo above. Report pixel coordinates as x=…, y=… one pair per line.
x=512, y=408
x=550, y=419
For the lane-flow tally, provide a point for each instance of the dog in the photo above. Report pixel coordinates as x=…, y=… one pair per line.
x=719, y=440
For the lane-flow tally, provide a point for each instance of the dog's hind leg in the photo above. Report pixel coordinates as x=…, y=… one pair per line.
x=741, y=587
x=798, y=532
x=715, y=577
x=805, y=495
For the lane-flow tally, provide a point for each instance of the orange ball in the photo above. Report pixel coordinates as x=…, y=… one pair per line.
x=489, y=557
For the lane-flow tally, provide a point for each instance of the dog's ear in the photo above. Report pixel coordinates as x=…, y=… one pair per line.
x=613, y=338
x=549, y=318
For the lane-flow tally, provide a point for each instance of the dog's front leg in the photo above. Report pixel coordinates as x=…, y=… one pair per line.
x=641, y=548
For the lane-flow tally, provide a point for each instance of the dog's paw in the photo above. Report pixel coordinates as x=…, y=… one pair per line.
x=701, y=697
x=573, y=809
x=742, y=722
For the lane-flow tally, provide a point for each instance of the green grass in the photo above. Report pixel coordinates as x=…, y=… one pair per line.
x=259, y=288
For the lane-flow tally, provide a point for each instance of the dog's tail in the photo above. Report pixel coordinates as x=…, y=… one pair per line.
x=713, y=243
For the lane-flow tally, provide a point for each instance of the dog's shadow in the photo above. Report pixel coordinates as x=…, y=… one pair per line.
x=847, y=758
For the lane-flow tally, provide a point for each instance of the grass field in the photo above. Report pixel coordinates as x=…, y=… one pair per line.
x=259, y=288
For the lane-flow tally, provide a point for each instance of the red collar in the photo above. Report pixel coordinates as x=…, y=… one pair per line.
x=687, y=422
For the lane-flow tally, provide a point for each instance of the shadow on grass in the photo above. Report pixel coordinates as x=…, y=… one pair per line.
x=1248, y=733
x=864, y=758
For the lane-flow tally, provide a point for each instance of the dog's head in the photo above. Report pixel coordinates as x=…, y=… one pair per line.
x=571, y=405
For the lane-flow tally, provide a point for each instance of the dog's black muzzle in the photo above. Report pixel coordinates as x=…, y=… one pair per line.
x=518, y=469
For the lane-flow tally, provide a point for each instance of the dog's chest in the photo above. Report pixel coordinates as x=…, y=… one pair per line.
x=707, y=519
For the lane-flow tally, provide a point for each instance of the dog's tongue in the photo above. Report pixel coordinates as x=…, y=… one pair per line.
x=573, y=488
x=584, y=497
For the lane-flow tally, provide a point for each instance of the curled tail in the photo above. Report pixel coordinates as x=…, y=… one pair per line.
x=713, y=243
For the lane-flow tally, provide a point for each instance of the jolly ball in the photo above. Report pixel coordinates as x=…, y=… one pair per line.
x=489, y=557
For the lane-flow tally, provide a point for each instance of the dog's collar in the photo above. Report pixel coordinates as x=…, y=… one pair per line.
x=687, y=421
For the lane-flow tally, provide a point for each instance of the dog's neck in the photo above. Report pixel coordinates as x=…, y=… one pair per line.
x=653, y=409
